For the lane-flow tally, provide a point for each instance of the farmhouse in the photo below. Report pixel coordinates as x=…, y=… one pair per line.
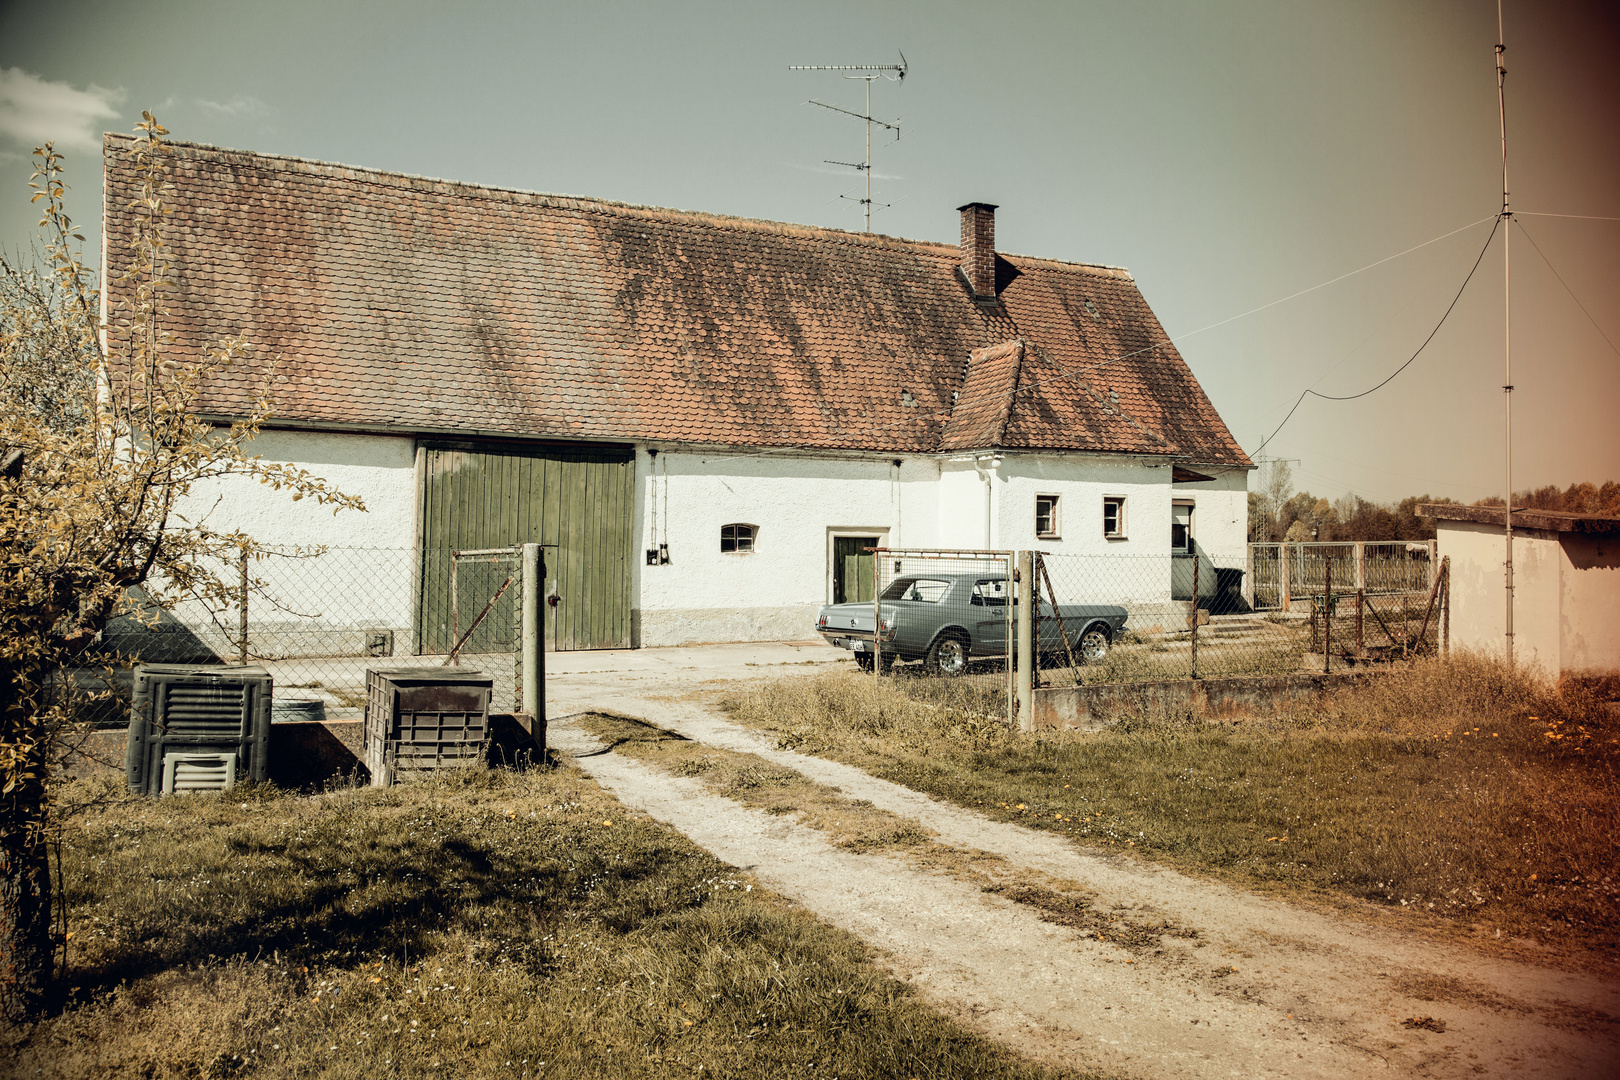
x=706, y=419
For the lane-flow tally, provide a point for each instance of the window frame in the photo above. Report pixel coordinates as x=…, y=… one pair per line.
x=1121, y=531
x=1189, y=545
x=1054, y=530
x=738, y=547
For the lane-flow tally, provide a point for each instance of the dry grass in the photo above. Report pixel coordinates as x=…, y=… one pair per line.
x=478, y=925
x=852, y=824
x=1453, y=787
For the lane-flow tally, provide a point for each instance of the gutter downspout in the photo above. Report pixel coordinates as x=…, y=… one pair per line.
x=989, y=477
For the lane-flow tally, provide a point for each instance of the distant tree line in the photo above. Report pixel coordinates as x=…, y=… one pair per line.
x=1278, y=513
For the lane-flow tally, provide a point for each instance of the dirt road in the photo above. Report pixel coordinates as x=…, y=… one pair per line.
x=1264, y=989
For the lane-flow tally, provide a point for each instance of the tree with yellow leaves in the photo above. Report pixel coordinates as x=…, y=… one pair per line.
x=99, y=447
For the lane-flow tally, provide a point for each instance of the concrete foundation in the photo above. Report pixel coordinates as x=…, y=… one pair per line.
x=1089, y=706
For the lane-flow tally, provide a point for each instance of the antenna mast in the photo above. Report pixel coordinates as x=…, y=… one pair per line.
x=872, y=71
x=1507, y=321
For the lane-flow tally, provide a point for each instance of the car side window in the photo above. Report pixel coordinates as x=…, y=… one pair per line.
x=990, y=593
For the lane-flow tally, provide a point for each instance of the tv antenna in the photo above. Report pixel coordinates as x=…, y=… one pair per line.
x=869, y=72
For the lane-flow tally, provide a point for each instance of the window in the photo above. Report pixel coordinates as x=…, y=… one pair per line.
x=1114, y=517
x=924, y=590
x=990, y=592
x=1181, y=531
x=737, y=537
x=1048, y=524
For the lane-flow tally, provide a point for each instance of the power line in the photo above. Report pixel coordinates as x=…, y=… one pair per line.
x=1351, y=397
x=1576, y=217
x=1567, y=289
x=1334, y=281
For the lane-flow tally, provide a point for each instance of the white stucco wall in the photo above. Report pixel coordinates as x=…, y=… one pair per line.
x=703, y=594
x=1221, y=514
x=1478, y=600
x=1589, y=603
x=1085, y=565
x=683, y=498
x=363, y=583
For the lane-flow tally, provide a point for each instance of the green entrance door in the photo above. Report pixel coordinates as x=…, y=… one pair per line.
x=577, y=501
x=852, y=569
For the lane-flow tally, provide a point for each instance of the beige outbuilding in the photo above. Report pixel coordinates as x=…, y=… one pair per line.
x=1566, y=576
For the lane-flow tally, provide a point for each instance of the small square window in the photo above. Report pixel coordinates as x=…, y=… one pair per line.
x=1114, y=518
x=737, y=537
x=1048, y=523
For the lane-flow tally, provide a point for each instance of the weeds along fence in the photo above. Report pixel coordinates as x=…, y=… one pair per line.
x=317, y=620
x=1280, y=576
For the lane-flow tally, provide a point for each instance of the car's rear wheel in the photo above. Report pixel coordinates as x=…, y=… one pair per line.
x=948, y=655
x=1094, y=645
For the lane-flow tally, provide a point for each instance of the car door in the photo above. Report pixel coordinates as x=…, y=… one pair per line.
x=988, y=603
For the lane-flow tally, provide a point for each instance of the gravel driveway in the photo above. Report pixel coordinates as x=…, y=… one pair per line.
x=1265, y=989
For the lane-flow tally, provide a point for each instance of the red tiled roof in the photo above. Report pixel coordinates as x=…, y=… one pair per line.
x=397, y=301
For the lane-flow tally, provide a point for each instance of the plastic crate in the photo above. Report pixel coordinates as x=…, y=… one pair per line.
x=181, y=709
x=421, y=720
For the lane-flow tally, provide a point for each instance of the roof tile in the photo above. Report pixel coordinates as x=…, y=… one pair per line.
x=431, y=305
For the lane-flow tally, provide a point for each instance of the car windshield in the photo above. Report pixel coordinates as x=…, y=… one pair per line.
x=927, y=590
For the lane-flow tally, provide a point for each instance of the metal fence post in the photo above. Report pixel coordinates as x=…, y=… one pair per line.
x=1284, y=600
x=533, y=698
x=1025, y=599
x=1192, y=618
x=1361, y=565
x=1327, y=617
x=877, y=613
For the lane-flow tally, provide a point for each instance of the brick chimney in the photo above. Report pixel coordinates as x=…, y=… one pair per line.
x=979, y=248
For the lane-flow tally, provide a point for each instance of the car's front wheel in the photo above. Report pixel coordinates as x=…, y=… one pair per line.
x=948, y=655
x=1094, y=645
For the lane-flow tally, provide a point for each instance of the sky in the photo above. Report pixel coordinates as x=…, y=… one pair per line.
x=1300, y=189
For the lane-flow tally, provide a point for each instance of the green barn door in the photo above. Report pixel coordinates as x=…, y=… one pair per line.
x=576, y=501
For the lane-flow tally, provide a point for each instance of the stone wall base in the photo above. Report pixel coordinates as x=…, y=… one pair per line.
x=1092, y=706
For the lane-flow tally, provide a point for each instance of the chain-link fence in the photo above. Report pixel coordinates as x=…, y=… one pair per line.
x=1281, y=576
x=317, y=621
x=1124, y=618
x=946, y=613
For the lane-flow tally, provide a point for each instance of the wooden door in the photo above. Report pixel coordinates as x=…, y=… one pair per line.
x=577, y=501
x=852, y=569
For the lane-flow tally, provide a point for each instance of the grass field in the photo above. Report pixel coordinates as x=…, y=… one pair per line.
x=1451, y=787
x=482, y=924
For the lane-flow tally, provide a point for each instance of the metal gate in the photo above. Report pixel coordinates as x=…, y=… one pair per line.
x=577, y=501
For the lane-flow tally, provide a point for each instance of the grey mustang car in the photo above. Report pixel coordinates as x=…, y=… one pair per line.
x=946, y=619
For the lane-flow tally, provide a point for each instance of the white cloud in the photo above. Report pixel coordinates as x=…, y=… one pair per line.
x=34, y=111
x=235, y=105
